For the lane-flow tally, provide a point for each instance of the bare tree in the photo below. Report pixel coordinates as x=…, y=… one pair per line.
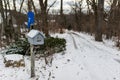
x=36, y=15
x=77, y=9
x=43, y=6
x=3, y=18
x=61, y=8
x=29, y=5
x=88, y=16
x=94, y=7
x=10, y=23
x=14, y=4
x=61, y=17
x=5, y=9
x=110, y=19
x=117, y=18
x=21, y=5
x=100, y=9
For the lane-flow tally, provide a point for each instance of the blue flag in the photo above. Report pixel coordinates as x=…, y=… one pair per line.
x=30, y=18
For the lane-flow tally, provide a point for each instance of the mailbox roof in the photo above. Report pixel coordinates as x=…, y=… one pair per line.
x=33, y=33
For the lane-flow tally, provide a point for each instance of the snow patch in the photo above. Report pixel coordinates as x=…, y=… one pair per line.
x=90, y=61
x=14, y=57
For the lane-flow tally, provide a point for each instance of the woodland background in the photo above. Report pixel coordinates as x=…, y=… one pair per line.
x=97, y=21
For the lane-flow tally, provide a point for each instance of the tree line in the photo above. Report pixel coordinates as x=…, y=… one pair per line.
x=95, y=20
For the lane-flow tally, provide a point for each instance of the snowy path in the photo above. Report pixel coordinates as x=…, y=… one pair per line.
x=97, y=60
x=99, y=46
x=84, y=59
x=73, y=39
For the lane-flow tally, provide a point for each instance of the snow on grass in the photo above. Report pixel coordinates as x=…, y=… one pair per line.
x=91, y=60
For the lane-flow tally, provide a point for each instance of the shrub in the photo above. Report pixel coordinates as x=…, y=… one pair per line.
x=51, y=46
x=18, y=47
x=56, y=44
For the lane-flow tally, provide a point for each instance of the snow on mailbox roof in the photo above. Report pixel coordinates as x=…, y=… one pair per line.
x=33, y=33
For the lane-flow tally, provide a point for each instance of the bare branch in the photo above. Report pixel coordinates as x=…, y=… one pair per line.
x=51, y=5
x=21, y=5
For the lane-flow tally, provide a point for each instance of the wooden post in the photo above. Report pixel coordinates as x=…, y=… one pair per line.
x=31, y=46
x=32, y=61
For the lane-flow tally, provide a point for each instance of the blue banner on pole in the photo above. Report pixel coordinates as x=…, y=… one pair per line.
x=31, y=21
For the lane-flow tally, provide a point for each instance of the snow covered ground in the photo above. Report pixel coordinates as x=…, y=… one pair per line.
x=84, y=59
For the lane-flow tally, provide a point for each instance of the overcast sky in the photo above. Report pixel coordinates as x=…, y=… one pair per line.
x=66, y=4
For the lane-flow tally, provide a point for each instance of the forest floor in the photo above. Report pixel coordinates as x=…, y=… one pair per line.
x=84, y=59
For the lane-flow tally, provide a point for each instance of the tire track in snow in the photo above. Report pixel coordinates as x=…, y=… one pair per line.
x=85, y=62
x=98, y=48
x=96, y=65
x=82, y=40
x=75, y=45
x=94, y=46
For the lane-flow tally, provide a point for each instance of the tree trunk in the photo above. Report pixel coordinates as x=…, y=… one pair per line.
x=61, y=8
x=5, y=10
x=94, y=7
x=110, y=19
x=100, y=9
x=36, y=15
x=88, y=29
x=61, y=16
x=43, y=7
x=29, y=5
x=118, y=32
x=8, y=27
x=11, y=22
x=3, y=17
x=14, y=4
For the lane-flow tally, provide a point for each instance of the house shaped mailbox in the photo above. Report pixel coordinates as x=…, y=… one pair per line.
x=36, y=37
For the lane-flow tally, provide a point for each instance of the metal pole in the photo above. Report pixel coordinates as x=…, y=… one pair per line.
x=32, y=61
